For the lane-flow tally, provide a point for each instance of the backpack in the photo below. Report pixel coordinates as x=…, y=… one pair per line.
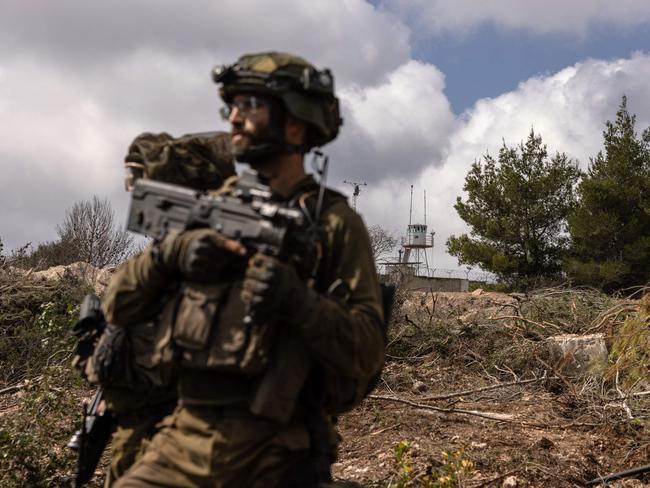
x=202, y=161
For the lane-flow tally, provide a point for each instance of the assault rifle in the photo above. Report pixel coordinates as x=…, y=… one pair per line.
x=90, y=440
x=88, y=328
x=248, y=215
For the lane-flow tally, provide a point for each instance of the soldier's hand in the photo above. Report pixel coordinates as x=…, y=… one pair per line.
x=273, y=287
x=199, y=254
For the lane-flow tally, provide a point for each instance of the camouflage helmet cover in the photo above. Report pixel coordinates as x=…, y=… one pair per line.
x=307, y=94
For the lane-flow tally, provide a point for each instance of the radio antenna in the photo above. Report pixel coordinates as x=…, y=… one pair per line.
x=357, y=191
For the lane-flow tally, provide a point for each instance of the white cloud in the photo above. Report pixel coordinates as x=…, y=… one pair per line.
x=395, y=128
x=349, y=36
x=79, y=80
x=573, y=17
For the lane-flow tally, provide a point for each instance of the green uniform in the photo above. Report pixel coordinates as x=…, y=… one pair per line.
x=146, y=390
x=135, y=428
x=239, y=424
x=139, y=400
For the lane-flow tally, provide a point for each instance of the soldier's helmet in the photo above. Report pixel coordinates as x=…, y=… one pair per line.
x=305, y=92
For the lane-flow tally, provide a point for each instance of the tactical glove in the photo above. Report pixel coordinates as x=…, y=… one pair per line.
x=111, y=355
x=273, y=288
x=199, y=254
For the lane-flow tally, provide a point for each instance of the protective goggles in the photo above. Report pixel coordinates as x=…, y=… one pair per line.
x=246, y=106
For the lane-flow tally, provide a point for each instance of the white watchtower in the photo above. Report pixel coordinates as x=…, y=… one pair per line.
x=416, y=243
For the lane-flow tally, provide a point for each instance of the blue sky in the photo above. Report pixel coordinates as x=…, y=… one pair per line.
x=490, y=61
x=426, y=87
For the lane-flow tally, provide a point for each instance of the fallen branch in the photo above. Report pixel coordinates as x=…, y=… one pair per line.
x=613, y=314
x=11, y=389
x=20, y=386
x=622, y=397
x=409, y=321
x=499, y=417
x=406, y=358
x=631, y=395
x=381, y=431
x=486, y=388
x=524, y=319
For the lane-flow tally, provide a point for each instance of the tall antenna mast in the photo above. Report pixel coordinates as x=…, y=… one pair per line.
x=425, y=207
x=356, y=192
x=411, y=206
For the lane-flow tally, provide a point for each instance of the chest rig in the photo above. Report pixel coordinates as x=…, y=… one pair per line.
x=212, y=328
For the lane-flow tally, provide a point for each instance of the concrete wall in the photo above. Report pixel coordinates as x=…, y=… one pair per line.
x=433, y=284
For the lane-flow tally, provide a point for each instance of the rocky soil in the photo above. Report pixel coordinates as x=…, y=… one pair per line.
x=471, y=395
x=485, y=405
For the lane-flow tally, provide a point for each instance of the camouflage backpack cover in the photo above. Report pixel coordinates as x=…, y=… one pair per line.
x=202, y=161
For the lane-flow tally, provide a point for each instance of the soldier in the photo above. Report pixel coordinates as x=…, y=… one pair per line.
x=135, y=372
x=258, y=397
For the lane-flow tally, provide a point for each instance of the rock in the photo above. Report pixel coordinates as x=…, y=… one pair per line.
x=419, y=386
x=510, y=482
x=577, y=354
x=82, y=271
x=103, y=277
x=97, y=278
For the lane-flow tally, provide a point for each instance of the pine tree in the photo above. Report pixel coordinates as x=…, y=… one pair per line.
x=610, y=228
x=516, y=209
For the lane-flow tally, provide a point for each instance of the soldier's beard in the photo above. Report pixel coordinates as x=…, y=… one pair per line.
x=255, y=147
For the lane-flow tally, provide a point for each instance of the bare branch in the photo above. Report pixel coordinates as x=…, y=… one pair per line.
x=90, y=234
x=381, y=241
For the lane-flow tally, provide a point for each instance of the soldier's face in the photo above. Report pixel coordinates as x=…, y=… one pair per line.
x=249, y=120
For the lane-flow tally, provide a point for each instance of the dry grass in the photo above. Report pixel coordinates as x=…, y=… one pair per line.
x=472, y=373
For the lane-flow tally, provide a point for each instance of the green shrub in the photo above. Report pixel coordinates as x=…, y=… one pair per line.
x=44, y=407
x=449, y=472
x=630, y=349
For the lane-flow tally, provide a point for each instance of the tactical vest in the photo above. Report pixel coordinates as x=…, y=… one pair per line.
x=227, y=361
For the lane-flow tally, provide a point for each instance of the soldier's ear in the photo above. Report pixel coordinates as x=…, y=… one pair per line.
x=295, y=131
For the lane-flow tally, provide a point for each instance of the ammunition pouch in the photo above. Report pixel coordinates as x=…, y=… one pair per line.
x=140, y=358
x=212, y=333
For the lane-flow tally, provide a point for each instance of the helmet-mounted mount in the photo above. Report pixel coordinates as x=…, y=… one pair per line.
x=312, y=81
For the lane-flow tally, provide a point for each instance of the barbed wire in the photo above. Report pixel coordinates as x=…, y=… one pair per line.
x=450, y=273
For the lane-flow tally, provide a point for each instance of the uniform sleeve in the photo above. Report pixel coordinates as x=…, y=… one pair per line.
x=347, y=336
x=135, y=291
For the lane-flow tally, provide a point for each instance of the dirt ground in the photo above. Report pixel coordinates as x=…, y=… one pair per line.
x=469, y=397
x=549, y=432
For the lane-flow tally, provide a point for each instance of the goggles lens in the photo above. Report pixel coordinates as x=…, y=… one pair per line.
x=246, y=107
